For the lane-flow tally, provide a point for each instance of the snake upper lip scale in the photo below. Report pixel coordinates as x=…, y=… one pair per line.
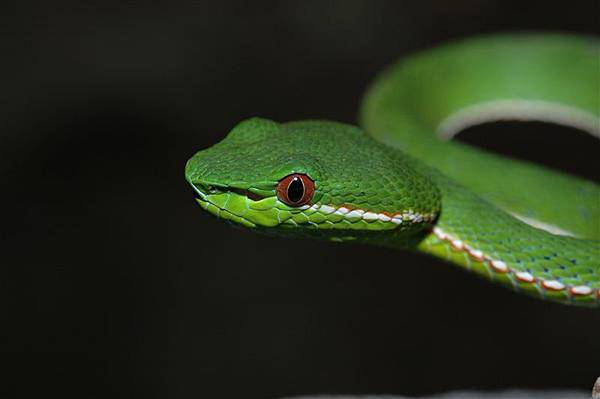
x=398, y=182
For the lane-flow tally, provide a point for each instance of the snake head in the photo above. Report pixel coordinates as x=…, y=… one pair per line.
x=313, y=178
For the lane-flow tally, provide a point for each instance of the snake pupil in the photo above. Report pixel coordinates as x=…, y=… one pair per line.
x=295, y=190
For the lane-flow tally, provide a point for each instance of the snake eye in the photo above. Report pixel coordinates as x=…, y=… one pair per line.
x=296, y=189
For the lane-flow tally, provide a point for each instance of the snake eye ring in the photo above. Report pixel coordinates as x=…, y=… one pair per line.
x=296, y=189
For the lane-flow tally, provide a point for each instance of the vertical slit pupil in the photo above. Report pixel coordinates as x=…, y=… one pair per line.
x=295, y=190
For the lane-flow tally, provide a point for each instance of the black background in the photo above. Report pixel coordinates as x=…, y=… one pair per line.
x=115, y=284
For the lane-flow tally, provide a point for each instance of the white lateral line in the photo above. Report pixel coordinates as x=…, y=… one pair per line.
x=520, y=110
x=550, y=228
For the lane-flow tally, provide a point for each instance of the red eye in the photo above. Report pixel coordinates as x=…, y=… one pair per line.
x=296, y=189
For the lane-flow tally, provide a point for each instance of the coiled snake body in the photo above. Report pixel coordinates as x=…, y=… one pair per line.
x=399, y=182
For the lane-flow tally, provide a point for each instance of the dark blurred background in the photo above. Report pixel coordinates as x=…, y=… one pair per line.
x=115, y=284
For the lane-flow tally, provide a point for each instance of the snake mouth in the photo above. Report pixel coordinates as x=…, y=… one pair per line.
x=237, y=206
x=246, y=207
x=230, y=204
x=199, y=194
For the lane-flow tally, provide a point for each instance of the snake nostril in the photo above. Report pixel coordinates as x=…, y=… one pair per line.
x=212, y=190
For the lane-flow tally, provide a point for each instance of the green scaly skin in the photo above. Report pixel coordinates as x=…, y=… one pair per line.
x=399, y=185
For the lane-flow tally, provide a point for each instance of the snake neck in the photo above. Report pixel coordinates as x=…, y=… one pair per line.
x=422, y=101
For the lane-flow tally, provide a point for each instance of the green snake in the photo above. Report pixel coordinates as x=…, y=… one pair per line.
x=398, y=182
